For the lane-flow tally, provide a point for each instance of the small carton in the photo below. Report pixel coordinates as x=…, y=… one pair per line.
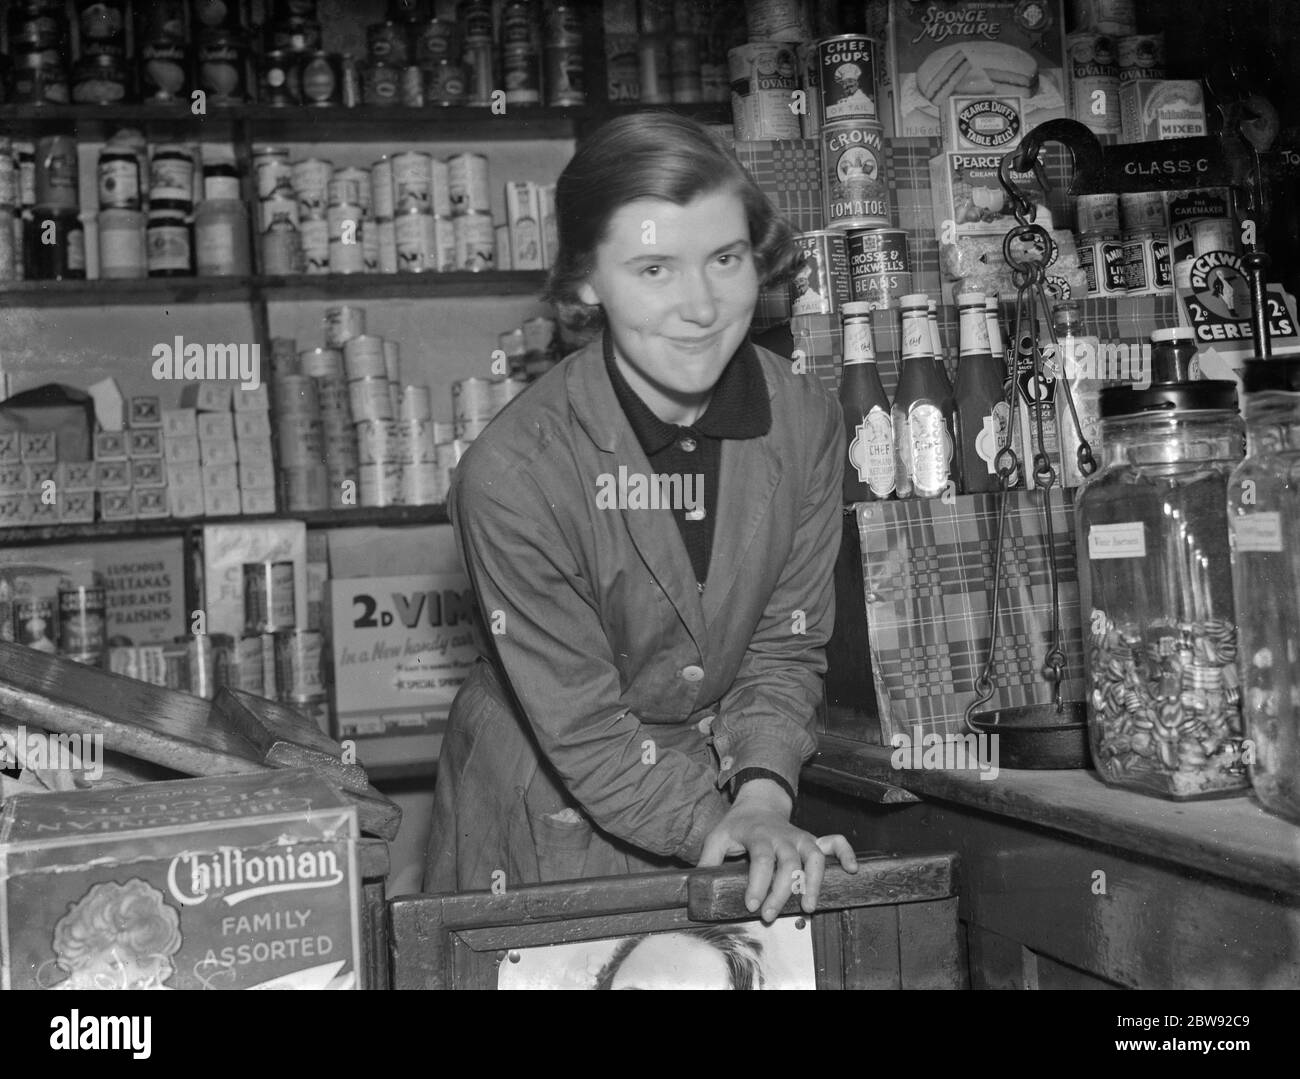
x=13, y=479
x=257, y=500
x=185, y=474
x=145, y=443
x=148, y=473
x=77, y=507
x=77, y=475
x=1154, y=109
x=110, y=446
x=524, y=215
x=224, y=452
x=983, y=123
x=221, y=503
x=967, y=192
x=256, y=472
x=224, y=882
x=180, y=423
x=37, y=476
x=110, y=404
x=252, y=426
x=10, y=448
x=38, y=447
x=116, y=505
x=181, y=450
x=207, y=396
x=186, y=501
x=146, y=412
x=11, y=509
x=215, y=427
x=220, y=477
x=24, y=509
x=252, y=400
x=112, y=475
x=151, y=502
x=42, y=509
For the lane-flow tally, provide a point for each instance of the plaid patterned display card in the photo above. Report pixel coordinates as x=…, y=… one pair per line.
x=928, y=569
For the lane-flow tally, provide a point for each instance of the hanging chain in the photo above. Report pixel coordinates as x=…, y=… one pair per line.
x=1028, y=275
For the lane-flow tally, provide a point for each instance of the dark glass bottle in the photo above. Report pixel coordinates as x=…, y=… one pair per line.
x=981, y=412
x=922, y=411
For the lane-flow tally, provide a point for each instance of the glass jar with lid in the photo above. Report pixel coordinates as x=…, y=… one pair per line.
x=1264, y=514
x=1156, y=588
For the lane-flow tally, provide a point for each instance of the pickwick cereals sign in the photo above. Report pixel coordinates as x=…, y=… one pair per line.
x=226, y=882
x=998, y=48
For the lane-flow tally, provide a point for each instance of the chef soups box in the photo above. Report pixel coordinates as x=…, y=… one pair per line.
x=224, y=882
x=995, y=48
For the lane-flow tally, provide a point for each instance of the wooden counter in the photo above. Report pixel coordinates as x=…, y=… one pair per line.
x=1065, y=882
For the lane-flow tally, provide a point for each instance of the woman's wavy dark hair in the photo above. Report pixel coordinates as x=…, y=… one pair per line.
x=650, y=155
x=741, y=952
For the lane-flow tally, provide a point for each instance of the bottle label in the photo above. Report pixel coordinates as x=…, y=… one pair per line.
x=1127, y=540
x=871, y=453
x=857, y=342
x=1258, y=532
x=930, y=448
x=916, y=335
x=974, y=331
x=992, y=434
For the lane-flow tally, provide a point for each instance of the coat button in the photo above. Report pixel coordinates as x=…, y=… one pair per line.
x=726, y=763
x=705, y=725
x=693, y=673
x=688, y=444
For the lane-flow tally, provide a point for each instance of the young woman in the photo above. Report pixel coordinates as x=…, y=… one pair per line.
x=651, y=531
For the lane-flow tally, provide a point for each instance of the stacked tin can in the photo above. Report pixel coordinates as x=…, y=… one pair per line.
x=1101, y=251
x=563, y=74
x=1094, y=81
x=101, y=75
x=299, y=434
x=60, y=253
x=422, y=483
x=288, y=659
x=222, y=53
x=174, y=171
x=416, y=190
x=478, y=51
x=276, y=218
x=164, y=55
x=311, y=181
x=39, y=42
x=379, y=436
x=1144, y=218
x=474, y=234
x=122, y=221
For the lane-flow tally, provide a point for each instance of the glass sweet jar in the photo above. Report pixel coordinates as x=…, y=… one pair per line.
x=1161, y=639
x=1264, y=514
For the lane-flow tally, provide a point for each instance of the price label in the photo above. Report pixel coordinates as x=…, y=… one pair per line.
x=1127, y=540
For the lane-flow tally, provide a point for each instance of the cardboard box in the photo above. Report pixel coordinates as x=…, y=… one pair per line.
x=10, y=449
x=38, y=447
x=221, y=502
x=225, y=550
x=112, y=475
x=145, y=443
x=220, y=477
x=207, y=396
x=252, y=426
x=180, y=423
x=116, y=505
x=184, y=474
x=251, y=400
x=983, y=123
x=42, y=510
x=22, y=509
x=966, y=191
x=110, y=446
x=224, y=452
x=77, y=507
x=215, y=427
x=37, y=476
x=110, y=404
x=997, y=47
x=181, y=450
x=186, y=501
x=13, y=479
x=257, y=499
x=400, y=672
x=1154, y=109
x=225, y=882
x=146, y=412
x=77, y=475
x=148, y=473
x=11, y=510
x=256, y=471
x=151, y=502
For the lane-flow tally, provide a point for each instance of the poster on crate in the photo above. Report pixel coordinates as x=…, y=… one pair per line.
x=401, y=647
x=143, y=581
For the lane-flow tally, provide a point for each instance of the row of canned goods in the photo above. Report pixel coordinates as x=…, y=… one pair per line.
x=870, y=266
x=396, y=183
x=1123, y=243
x=377, y=483
x=348, y=241
x=70, y=623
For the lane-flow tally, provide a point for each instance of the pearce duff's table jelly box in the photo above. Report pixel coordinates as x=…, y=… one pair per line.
x=223, y=882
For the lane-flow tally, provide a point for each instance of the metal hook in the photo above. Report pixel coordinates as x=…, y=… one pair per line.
x=1085, y=154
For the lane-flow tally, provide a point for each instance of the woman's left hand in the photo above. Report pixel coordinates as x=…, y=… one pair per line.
x=780, y=854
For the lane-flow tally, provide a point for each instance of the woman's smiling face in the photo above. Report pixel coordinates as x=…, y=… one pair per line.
x=678, y=285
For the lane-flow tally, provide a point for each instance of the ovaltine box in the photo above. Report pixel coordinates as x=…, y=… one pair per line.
x=110, y=445
x=224, y=882
x=148, y=473
x=1154, y=109
x=398, y=671
x=966, y=191
x=145, y=443
x=150, y=502
x=987, y=47
x=145, y=412
x=112, y=475
x=207, y=396
x=77, y=475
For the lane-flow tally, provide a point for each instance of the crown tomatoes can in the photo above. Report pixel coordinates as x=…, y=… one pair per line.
x=853, y=175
